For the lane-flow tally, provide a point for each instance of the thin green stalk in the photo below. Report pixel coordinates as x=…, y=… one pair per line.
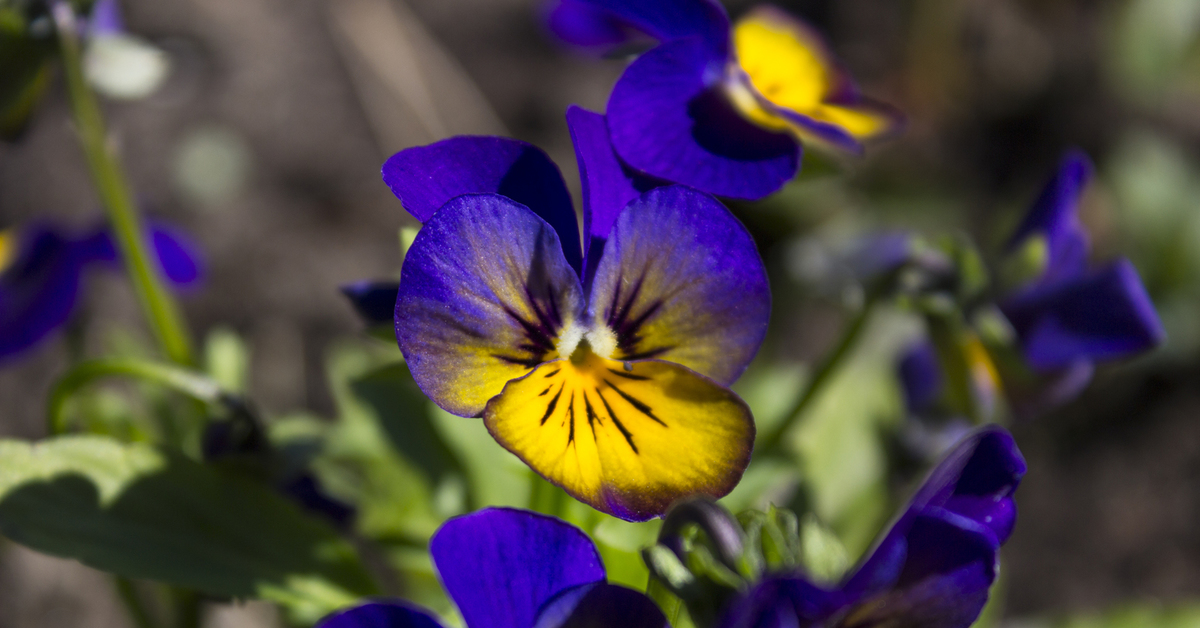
x=133, y=603
x=157, y=303
x=769, y=441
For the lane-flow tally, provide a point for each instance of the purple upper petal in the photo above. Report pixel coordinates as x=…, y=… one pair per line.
x=1104, y=314
x=608, y=185
x=681, y=280
x=668, y=20
x=38, y=291
x=583, y=24
x=483, y=294
x=501, y=565
x=1055, y=216
x=390, y=614
x=668, y=118
x=178, y=255
x=375, y=301
x=425, y=177
x=601, y=605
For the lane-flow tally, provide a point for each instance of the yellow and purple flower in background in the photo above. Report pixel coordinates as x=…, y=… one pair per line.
x=603, y=367
x=1066, y=315
x=934, y=565
x=723, y=109
x=42, y=267
x=508, y=568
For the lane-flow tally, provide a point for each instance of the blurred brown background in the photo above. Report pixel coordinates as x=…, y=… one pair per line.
x=266, y=143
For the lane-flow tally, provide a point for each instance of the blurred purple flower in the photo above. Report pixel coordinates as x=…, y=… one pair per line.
x=42, y=266
x=508, y=568
x=1067, y=316
x=934, y=565
x=718, y=107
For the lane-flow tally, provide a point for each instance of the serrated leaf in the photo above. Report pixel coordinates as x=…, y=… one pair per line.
x=136, y=511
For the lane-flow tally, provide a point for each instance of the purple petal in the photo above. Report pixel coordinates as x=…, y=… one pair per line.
x=921, y=377
x=681, y=280
x=106, y=18
x=668, y=20
x=781, y=603
x=501, y=565
x=582, y=24
x=1055, y=216
x=425, y=177
x=390, y=614
x=977, y=480
x=667, y=119
x=39, y=288
x=1103, y=315
x=178, y=255
x=949, y=564
x=974, y=483
x=483, y=294
x=601, y=605
x=608, y=185
x=375, y=301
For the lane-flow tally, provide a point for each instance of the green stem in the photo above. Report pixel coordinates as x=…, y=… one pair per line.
x=194, y=385
x=157, y=303
x=769, y=441
x=133, y=603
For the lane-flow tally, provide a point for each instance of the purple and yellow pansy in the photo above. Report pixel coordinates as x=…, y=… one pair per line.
x=507, y=568
x=42, y=267
x=603, y=366
x=724, y=108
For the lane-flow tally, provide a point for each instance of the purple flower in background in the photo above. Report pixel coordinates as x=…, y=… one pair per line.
x=723, y=109
x=604, y=366
x=375, y=301
x=42, y=266
x=508, y=568
x=1068, y=316
x=932, y=568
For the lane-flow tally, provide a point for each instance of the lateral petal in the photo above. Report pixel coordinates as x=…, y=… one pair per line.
x=626, y=438
x=483, y=294
x=667, y=20
x=601, y=605
x=681, y=280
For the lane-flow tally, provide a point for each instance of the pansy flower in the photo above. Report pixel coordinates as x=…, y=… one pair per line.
x=41, y=267
x=934, y=565
x=724, y=109
x=1067, y=315
x=605, y=368
x=508, y=568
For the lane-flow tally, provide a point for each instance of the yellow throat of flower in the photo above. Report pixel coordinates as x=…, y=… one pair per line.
x=8, y=248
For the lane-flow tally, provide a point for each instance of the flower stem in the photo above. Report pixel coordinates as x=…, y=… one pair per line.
x=157, y=303
x=769, y=441
x=133, y=603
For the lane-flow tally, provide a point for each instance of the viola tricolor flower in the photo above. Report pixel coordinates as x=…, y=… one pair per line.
x=1067, y=316
x=604, y=367
x=41, y=267
x=934, y=565
x=718, y=108
x=508, y=568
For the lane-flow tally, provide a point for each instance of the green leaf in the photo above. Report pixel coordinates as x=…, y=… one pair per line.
x=139, y=512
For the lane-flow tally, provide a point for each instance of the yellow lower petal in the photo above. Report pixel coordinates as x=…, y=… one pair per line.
x=626, y=438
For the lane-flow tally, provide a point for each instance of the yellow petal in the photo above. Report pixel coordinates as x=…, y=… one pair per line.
x=627, y=438
x=8, y=248
x=784, y=61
